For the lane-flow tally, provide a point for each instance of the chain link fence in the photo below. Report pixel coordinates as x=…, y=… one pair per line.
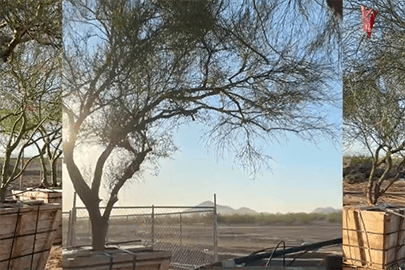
x=188, y=232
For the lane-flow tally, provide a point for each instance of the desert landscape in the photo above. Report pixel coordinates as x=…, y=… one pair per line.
x=240, y=232
x=236, y=236
x=355, y=180
x=356, y=171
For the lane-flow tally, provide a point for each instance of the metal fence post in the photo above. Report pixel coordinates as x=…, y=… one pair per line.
x=127, y=225
x=181, y=231
x=153, y=225
x=89, y=228
x=215, y=229
x=69, y=233
x=74, y=216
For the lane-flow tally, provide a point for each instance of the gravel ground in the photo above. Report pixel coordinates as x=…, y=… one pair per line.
x=55, y=259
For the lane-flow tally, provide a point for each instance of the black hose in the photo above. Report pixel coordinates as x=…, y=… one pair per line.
x=277, y=253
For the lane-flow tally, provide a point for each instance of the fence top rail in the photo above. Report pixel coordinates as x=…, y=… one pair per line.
x=149, y=207
x=162, y=214
x=184, y=212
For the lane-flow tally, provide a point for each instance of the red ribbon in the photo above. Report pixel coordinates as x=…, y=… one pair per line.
x=368, y=20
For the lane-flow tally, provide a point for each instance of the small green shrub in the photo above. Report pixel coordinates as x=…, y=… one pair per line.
x=361, y=160
x=289, y=218
x=335, y=217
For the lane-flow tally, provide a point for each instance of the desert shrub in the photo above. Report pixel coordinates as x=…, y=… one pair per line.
x=206, y=219
x=289, y=218
x=197, y=218
x=167, y=219
x=237, y=219
x=356, y=177
x=361, y=160
x=335, y=217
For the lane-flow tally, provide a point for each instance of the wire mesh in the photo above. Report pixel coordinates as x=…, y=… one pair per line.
x=188, y=234
x=186, y=231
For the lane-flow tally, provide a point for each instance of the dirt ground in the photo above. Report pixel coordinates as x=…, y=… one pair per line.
x=55, y=259
x=195, y=246
x=243, y=240
x=355, y=194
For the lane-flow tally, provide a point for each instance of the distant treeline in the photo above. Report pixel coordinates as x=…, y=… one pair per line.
x=206, y=218
x=290, y=218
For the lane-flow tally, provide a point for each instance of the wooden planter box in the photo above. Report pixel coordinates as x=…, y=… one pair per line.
x=139, y=257
x=373, y=238
x=26, y=234
x=48, y=196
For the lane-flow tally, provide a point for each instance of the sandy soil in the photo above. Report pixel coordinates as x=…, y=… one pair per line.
x=55, y=259
x=355, y=194
x=238, y=240
x=243, y=240
x=196, y=244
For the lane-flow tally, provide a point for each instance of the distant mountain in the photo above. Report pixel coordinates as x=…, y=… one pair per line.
x=325, y=210
x=226, y=210
x=246, y=211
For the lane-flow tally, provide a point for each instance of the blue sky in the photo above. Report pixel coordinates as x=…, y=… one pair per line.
x=303, y=177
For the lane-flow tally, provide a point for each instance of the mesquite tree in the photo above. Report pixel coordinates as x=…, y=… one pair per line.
x=30, y=98
x=136, y=70
x=374, y=90
x=50, y=148
x=24, y=21
x=30, y=84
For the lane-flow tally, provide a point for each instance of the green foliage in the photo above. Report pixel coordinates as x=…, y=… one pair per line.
x=138, y=70
x=361, y=160
x=373, y=91
x=30, y=85
x=267, y=219
x=258, y=219
x=335, y=217
x=23, y=21
x=188, y=21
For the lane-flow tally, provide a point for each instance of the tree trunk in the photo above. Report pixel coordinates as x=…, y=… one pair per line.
x=54, y=174
x=370, y=197
x=44, y=180
x=377, y=192
x=371, y=182
x=373, y=192
x=3, y=195
x=99, y=227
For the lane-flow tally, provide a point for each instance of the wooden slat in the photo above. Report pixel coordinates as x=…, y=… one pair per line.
x=373, y=238
x=145, y=260
x=23, y=243
x=380, y=257
x=374, y=221
x=375, y=241
x=47, y=197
